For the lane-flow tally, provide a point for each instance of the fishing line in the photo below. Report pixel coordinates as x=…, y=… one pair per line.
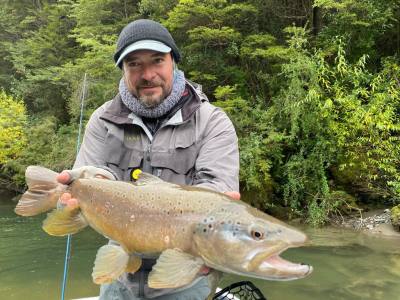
x=69, y=237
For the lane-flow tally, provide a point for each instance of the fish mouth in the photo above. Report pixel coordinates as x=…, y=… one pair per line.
x=284, y=269
x=269, y=265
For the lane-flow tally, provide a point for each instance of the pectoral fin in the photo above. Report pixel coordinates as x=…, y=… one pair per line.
x=111, y=261
x=174, y=269
x=134, y=264
x=63, y=221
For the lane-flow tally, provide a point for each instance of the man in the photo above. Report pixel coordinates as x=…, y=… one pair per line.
x=163, y=124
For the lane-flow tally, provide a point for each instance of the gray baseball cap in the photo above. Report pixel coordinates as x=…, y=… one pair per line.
x=143, y=45
x=145, y=34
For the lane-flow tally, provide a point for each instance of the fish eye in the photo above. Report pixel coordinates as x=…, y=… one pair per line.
x=257, y=234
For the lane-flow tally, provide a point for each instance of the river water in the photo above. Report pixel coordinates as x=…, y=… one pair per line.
x=347, y=265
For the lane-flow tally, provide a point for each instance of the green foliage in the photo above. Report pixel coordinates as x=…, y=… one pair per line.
x=367, y=126
x=156, y=10
x=360, y=24
x=338, y=118
x=203, y=38
x=395, y=216
x=97, y=26
x=255, y=162
x=37, y=54
x=317, y=115
x=12, y=127
x=46, y=146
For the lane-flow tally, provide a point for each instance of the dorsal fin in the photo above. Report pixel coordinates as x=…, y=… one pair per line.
x=143, y=178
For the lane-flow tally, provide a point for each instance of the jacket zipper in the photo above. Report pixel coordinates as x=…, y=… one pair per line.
x=147, y=160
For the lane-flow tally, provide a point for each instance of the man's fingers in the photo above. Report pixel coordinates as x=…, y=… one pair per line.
x=67, y=176
x=68, y=202
x=233, y=195
x=72, y=203
x=65, y=197
x=90, y=172
x=204, y=270
x=101, y=176
x=64, y=177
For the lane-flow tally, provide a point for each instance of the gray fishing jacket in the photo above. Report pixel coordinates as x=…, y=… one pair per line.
x=196, y=146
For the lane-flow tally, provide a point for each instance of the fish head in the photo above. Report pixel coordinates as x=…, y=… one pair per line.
x=242, y=240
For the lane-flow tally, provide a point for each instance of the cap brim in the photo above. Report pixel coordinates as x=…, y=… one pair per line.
x=144, y=45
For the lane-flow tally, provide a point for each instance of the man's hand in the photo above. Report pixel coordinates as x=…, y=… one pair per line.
x=233, y=195
x=67, y=176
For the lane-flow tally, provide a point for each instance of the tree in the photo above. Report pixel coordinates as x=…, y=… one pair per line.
x=45, y=44
x=13, y=120
x=361, y=25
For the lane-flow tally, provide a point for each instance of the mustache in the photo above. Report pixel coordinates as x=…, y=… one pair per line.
x=147, y=83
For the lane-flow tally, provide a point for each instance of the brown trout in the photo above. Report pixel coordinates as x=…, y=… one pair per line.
x=188, y=227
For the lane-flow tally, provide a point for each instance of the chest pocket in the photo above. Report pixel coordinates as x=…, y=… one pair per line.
x=123, y=152
x=178, y=161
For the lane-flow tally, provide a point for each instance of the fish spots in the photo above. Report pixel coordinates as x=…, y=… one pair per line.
x=166, y=239
x=206, y=226
x=208, y=221
x=108, y=207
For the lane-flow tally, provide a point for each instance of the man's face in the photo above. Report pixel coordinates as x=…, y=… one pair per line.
x=148, y=76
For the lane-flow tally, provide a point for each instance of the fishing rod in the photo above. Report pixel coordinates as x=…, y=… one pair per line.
x=69, y=237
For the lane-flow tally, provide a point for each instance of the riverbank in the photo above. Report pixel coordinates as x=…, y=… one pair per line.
x=376, y=221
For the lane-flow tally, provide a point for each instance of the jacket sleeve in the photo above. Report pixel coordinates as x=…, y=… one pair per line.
x=217, y=164
x=92, y=150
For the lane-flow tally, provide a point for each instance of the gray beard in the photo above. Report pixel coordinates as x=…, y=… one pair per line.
x=148, y=110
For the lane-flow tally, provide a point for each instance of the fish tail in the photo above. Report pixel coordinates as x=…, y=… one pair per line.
x=42, y=194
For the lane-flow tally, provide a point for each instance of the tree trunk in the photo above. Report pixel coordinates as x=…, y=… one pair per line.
x=316, y=20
